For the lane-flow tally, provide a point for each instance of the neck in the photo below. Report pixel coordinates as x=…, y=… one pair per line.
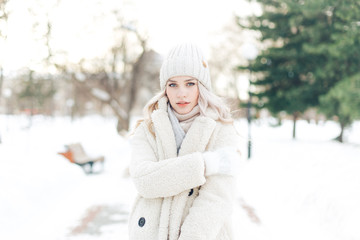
x=187, y=119
x=193, y=113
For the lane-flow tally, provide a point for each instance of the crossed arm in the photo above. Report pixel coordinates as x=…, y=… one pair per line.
x=165, y=178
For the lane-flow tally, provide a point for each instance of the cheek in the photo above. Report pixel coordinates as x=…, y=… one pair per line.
x=196, y=94
x=170, y=94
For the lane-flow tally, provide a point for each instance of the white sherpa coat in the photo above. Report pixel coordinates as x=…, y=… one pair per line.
x=176, y=201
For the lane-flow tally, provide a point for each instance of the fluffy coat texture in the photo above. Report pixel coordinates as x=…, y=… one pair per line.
x=176, y=200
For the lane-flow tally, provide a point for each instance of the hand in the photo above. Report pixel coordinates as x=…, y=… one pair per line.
x=222, y=161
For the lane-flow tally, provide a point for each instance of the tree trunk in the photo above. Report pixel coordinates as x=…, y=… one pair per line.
x=340, y=137
x=1, y=80
x=295, y=117
x=133, y=84
x=1, y=83
x=123, y=126
x=344, y=122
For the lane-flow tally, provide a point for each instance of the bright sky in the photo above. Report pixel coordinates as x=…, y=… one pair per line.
x=83, y=28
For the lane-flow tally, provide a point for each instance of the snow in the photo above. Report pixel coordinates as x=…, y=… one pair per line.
x=307, y=188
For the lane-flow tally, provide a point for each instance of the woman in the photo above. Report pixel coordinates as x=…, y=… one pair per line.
x=183, y=158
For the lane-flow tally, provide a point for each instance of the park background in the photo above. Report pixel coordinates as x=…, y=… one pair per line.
x=81, y=71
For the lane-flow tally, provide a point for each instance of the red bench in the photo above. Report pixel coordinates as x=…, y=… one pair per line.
x=75, y=153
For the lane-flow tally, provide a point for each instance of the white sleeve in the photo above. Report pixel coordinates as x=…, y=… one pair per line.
x=164, y=178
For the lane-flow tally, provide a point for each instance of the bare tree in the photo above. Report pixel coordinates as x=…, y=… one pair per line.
x=3, y=21
x=34, y=94
x=112, y=80
x=3, y=18
x=119, y=88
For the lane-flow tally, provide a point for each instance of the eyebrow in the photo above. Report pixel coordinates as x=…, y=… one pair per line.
x=187, y=80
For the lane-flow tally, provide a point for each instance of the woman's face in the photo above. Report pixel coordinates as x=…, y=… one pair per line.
x=183, y=93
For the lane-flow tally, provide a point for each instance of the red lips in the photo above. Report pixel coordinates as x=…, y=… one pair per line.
x=182, y=103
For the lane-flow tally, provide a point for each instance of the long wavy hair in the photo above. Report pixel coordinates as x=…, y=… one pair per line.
x=206, y=100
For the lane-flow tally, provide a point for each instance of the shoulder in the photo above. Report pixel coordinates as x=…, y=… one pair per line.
x=139, y=128
x=225, y=134
x=142, y=131
x=227, y=127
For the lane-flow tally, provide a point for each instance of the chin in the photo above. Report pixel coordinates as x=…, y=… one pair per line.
x=182, y=111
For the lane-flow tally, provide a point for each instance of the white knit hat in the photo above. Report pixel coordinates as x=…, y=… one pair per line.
x=185, y=59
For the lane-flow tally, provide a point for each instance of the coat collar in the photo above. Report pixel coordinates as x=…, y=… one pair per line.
x=196, y=138
x=165, y=138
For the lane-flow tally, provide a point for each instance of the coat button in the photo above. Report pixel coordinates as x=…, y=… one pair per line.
x=141, y=222
x=191, y=192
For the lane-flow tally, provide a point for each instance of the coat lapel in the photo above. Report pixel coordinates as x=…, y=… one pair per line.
x=165, y=138
x=198, y=136
x=166, y=147
x=196, y=139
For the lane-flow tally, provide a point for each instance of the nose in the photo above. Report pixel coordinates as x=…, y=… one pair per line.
x=182, y=92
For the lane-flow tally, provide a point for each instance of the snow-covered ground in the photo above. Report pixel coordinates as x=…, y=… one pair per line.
x=307, y=188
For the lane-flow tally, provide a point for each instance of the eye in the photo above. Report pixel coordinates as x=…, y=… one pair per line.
x=172, y=85
x=191, y=84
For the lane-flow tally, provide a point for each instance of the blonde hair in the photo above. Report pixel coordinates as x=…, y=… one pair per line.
x=151, y=106
x=206, y=100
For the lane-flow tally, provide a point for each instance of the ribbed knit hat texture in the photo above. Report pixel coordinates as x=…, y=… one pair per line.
x=185, y=59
